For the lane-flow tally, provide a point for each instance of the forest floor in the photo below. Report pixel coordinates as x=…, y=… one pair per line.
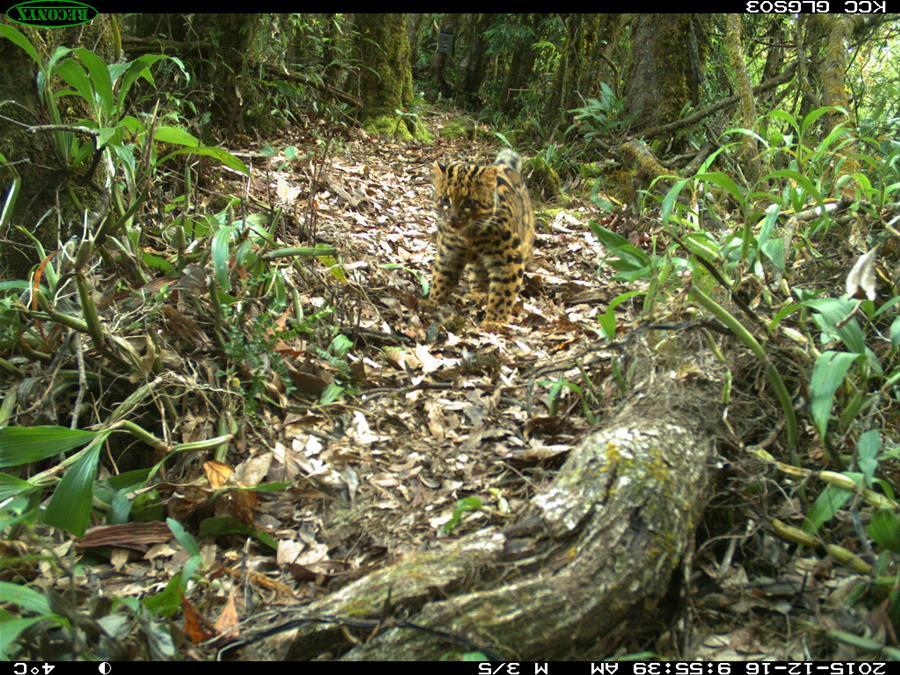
x=441, y=430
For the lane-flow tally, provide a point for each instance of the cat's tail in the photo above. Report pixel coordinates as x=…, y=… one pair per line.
x=509, y=158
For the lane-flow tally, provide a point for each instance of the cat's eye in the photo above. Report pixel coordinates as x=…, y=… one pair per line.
x=467, y=204
x=443, y=202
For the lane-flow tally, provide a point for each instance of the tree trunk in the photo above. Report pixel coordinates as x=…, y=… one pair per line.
x=520, y=69
x=384, y=84
x=32, y=158
x=441, y=56
x=588, y=562
x=476, y=63
x=660, y=82
x=747, y=108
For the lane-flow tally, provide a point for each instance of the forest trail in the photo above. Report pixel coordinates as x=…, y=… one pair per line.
x=433, y=420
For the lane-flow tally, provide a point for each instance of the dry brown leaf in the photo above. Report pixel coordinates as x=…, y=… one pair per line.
x=228, y=623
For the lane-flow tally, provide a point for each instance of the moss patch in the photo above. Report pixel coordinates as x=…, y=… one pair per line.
x=543, y=179
x=391, y=126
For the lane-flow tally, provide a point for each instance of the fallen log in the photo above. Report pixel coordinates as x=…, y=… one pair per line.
x=593, y=554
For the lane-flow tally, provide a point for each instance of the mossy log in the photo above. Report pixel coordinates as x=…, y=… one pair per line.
x=591, y=558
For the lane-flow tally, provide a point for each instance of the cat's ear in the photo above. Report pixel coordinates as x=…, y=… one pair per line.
x=438, y=170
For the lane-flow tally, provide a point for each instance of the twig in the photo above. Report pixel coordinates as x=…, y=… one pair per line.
x=82, y=380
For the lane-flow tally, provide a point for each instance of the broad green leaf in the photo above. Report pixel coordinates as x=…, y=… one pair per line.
x=183, y=536
x=168, y=601
x=158, y=263
x=130, y=74
x=774, y=251
x=75, y=76
x=102, y=83
x=24, y=445
x=22, y=42
x=175, y=136
x=745, y=132
x=669, y=200
x=831, y=317
x=798, y=178
x=11, y=486
x=867, y=448
x=827, y=376
x=221, y=256
x=609, y=239
x=216, y=527
x=106, y=134
x=70, y=506
x=838, y=132
x=786, y=117
x=814, y=115
x=709, y=160
x=24, y=597
x=331, y=393
x=826, y=505
x=14, y=285
x=895, y=332
x=10, y=629
x=607, y=320
x=223, y=156
x=884, y=528
x=725, y=182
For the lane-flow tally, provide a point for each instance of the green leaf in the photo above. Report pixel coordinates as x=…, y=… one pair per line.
x=183, y=536
x=223, y=156
x=826, y=505
x=10, y=629
x=134, y=69
x=70, y=507
x=831, y=317
x=158, y=263
x=827, y=376
x=74, y=75
x=463, y=505
x=867, y=448
x=24, y=445
x=786, y=117
x=100, y=79
x=11, y=486
x=608, y=319
x=725, y=182
x=22, y=42
x=895, y=332
x=168, y=601
x=106, y=134
x=669, y=200
x=774, y=251
x=798, y=178
x=220, y=255
x=14, y=285
x=24, y=597
x=814, y=115
x=331, y=393
x=884, y=528
x=216, y=527
x=175, y=136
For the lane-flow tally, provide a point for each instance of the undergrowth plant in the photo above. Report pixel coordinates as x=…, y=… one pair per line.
x=747, y=238
x=168, y=260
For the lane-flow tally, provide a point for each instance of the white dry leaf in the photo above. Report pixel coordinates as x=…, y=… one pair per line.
x=288, y=551
x=436, y=422
x=862, y=276
x=313, y=447
x=254, y=470
x=429, y=363
x=362, y=432
x=286, y=193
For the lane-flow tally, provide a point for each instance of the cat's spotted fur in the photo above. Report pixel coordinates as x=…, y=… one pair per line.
x=485, y=221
